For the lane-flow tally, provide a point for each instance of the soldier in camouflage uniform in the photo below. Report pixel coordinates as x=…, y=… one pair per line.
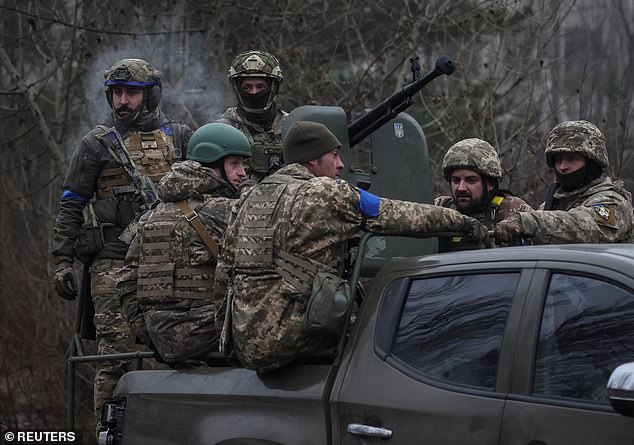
x=294, y=225
x=473, y=169
x=167, y=280
x=256, y=77
x=584, y=205
x=97, y=185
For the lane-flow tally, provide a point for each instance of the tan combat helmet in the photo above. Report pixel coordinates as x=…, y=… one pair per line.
x=579, y=137
x=138, y=73
x=473, y=154
x=256, y=64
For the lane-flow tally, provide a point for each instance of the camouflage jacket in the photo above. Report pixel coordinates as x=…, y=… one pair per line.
x=265, y=140
x=166, y=283
x=89, y=166
x=600, y=212
x=503, y=205
x=266, y=310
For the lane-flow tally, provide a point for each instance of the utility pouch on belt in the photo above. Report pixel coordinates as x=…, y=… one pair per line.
x=328, y=304
x=90, y=237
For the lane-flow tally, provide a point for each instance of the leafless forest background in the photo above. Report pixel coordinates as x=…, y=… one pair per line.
x=523, y=66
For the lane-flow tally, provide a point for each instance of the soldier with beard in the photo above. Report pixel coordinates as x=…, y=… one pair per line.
x=98, y=191
x=473, y=169
x=167, y=280
x=256, y=77
x=584, y=205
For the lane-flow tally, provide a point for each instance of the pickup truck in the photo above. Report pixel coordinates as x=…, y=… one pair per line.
x=497, y=346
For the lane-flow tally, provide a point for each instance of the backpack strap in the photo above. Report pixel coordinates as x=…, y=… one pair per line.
x=192, y=217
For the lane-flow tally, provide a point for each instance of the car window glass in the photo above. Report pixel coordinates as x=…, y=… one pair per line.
x=451, y=327
x=587, y=330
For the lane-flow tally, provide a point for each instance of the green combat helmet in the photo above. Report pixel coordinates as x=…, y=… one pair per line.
x=579, y=137
x=256, y=64
x=212, y=142
x=472, y=154
x=135, y=73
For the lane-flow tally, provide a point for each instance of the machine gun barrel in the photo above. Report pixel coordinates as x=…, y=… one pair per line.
x=397, y=102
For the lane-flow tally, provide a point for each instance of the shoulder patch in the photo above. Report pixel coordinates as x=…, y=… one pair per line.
x=604, y=214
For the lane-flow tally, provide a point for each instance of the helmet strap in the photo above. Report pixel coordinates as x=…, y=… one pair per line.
x=220, y=165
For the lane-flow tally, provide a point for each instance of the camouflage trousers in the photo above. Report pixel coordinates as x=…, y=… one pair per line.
x=113, y=332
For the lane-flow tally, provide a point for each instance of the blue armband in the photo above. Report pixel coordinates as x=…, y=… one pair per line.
x=75, y=196
x=369, y=203
x=167, y=129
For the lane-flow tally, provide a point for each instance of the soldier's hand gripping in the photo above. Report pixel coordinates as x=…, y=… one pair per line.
x=475, y=231
x=65, y=282
x=509, y=230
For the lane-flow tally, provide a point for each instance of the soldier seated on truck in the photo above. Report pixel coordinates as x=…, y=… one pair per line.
x=283, y=253
x=165, y=288
x=473, y=169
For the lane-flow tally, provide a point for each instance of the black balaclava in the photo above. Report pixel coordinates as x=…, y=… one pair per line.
x=577, y=179
x=263, y=102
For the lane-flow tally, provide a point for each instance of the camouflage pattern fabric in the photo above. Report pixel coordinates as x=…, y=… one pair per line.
x=600, y=212
x=113, y=334
x=88, y=163
x=264, y=139
x=489, y=216
x=132, y=70
x=267, y=311
x=579, y=137
x=473, y=154
x=165, y=286
x=255, y=64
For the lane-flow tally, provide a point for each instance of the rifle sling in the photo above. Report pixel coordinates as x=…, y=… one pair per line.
x=192, y=217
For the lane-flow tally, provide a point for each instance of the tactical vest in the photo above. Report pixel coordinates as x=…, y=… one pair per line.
x=487, y=217
x=263, y=215
x=153, y=153
x=166, y=277
x=266, y=152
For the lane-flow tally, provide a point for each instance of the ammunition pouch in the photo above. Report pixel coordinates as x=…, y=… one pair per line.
x=88, y=243
x=328, y=304
x=266, y=157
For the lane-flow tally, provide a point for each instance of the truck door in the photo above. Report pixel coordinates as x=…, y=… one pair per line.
x=579, y=326
x=428, y=362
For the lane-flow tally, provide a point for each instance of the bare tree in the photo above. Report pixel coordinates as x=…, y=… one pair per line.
x=523, y=66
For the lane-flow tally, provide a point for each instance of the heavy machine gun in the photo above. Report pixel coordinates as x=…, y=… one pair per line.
x=397, y=102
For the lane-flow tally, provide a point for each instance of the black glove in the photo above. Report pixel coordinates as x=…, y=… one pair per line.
x=509, y=230
x=65, y=282
x=475, y=231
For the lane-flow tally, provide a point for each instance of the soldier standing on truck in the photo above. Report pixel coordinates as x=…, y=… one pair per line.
x=473, y=169
x=166, y=283
x=256, y=77
x=286, y=245
x=100, y=200
x=584, y=205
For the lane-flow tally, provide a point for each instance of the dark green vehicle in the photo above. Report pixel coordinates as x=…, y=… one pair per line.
x=497, y=346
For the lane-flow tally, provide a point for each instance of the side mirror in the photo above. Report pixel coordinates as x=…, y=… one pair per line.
x=620, y=389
